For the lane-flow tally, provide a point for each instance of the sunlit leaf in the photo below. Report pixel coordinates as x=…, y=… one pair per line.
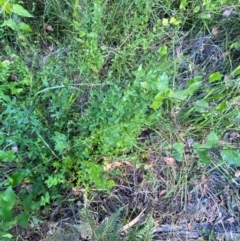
x=212, y=140
x=25, y=27
x=165, y=22
x=175, y=21
x=163, y=50
x=11, y=24
x=215, y=77
x=19, y=10
x=157, y=101
x=183, y=4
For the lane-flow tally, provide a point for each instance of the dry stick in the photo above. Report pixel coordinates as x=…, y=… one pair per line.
x=133, y=222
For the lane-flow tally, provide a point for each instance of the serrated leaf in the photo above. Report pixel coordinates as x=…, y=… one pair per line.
x=202, y=153
x=212, y=140
x=19, y=10
x=231, y=157
x=215, y=77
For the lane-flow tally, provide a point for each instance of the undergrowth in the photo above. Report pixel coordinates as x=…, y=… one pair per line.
x=81, y=80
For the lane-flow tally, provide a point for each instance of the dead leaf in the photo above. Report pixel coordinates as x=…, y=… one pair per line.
x=49, y=28
x=215, y=31
x=178, y=51
x=237, y=173
x=170, y=161
x=128, y=163
x=162, y=193
x=105, y=158
x=205, y=189
x=234, y=135
x=227, y=13
x=116, y=164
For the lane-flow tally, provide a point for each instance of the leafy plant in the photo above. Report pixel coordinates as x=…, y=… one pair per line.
x=14, y=14
x=108, y=230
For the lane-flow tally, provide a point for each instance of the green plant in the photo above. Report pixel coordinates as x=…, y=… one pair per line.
x=14, y=12
x=4, y=230
x=108, y=230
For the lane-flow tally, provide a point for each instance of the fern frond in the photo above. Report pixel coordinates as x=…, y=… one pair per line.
x=140, y=233
x=88, y=220
x=146, y=233
x=109, y=229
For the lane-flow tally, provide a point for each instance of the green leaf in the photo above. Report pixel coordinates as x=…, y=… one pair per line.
x=5, y=214
x=165, y=22
x=238, y=117
x=196, y=9
x=8, y=198
x=201, y=106
x=19, y=10
x=157, y=101
x=179, y=150
x=145, y=85
x=25, y=27
x=163, y=50
x=202, y=153
x=192, y=88
x=18, y=176
x=215, y=77
x=7, y=156
x=6, y=6
x=45, y=199
x=162, y=85
x=7, y=235
x=11, y=24
x=174, y=21
x=231, y=157
x=23, y=219
x=183, y=4
x=212, y=140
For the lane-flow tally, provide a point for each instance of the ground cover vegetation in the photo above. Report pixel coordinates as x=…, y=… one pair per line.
x=119, y=105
